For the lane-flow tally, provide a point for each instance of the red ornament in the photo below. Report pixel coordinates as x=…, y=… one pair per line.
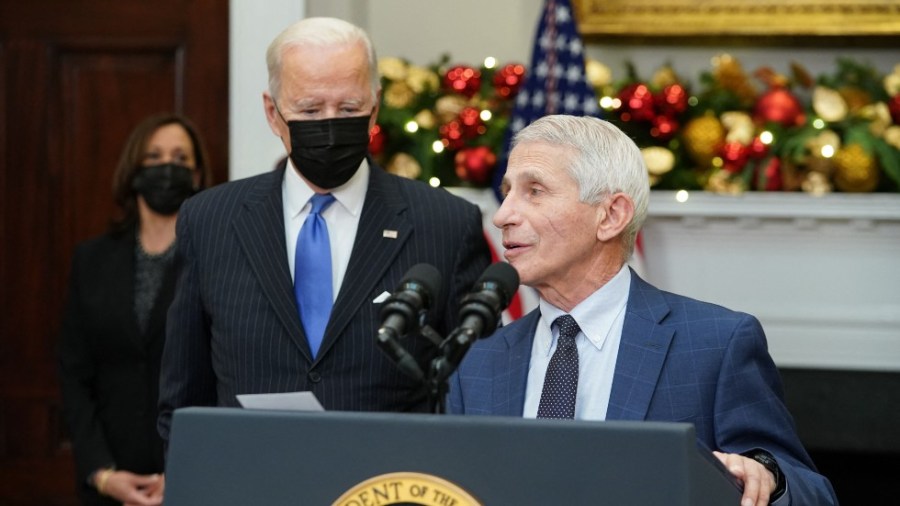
x=778, y=105
x=664, y=127
x=451, y=135
x=475, y=164
x=463, y=80
x=672, y=100
x=637, y=103
x=509, y=79
x=771, y=179
x=735, y=156
x=471, y=123
x=377, y=140
x=758, y=148
x=894, y=107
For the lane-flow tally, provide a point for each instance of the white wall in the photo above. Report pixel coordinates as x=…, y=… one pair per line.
x=252, y=147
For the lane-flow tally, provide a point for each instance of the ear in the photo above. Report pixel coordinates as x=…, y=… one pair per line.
x=373, y=119
x=618, y=211
x=275, y=122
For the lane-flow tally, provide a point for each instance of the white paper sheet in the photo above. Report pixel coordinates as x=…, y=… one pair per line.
x=291, y=401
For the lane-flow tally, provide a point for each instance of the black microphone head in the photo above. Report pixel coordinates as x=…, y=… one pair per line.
x=423, y=278
x=503, y=278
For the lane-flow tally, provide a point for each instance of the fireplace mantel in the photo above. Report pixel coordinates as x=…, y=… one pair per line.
x=821, y=273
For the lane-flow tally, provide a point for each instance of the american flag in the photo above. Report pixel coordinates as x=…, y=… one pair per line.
x=556, y=82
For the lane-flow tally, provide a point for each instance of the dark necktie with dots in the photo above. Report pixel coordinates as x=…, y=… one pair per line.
x=561, y=381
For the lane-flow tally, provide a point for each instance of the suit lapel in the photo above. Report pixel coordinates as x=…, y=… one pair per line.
x=511, y=374
x=642, y=352
x=373, y=252
x=260, y=232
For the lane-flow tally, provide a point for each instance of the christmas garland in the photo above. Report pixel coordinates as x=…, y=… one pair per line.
x=731, y=132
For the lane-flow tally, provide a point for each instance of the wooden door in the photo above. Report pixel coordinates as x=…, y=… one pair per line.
x=75, y=77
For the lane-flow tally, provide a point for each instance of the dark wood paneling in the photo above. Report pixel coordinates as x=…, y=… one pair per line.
x=75, y=77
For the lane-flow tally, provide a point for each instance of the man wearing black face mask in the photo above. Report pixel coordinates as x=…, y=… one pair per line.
x=295, y=261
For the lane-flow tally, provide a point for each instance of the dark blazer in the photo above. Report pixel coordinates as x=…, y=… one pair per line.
x=680, y=360
x=234, y=326
x=109, y=371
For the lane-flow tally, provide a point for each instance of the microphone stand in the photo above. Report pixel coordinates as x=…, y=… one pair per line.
x=452, y=350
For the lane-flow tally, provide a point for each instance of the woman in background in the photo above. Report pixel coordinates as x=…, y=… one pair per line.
x=113, y=329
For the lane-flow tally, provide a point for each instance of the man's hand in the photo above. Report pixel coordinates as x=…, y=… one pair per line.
x=758, y=481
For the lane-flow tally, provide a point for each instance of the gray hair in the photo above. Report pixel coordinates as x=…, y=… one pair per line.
x=605, y=161
x=318, y=32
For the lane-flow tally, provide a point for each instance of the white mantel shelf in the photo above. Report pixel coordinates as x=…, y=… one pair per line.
x=832, y=206
x=821, y=273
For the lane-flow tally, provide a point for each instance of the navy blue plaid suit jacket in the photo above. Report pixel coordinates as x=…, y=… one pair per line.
x=680, y=360
x=234, y=328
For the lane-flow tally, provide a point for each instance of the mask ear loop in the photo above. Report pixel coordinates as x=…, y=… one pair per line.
x=274, y=103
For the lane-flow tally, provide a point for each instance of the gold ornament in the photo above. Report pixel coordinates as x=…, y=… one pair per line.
x=420, y=79
x=728, y=72
x=855, y=170
x=404, y=165
x=856, y=98
x=597, y=73
x=392, y=68
x=703, y=137
x=663, y=77
x=892, y=136
x=879, y=116
x=425, y=119
x=816, y=144
x=659, y=160
x=740, y=127
x=448, y=107
x=829, y=104
x=398, y=95
x=721, y=181
x=892, y=82
x=815, y=183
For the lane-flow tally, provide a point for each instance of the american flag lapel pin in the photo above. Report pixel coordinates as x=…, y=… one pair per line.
x=390, y=234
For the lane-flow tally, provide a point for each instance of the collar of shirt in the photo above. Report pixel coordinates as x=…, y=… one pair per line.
x=595, y=315
x=350, y=195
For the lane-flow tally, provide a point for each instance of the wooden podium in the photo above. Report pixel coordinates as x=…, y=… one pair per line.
x=225, y=456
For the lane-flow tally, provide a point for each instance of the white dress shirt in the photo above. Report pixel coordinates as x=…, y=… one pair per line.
x=342, y=217
x=600, y=318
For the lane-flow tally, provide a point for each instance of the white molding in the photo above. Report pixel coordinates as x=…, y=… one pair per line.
x=842, y=206
x=821, y=273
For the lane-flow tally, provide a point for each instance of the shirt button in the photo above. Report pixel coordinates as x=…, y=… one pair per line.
x=314, y=376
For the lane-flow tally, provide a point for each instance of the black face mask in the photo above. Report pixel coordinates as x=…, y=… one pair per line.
x=327, y=152
x=165, y=187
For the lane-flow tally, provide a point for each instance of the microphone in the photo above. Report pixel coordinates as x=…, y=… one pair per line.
x=491, y=294
x=479, y=311
x=402, y=311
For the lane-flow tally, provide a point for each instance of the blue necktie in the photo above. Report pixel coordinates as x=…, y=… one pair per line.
x=561, y=381
x=312, y=273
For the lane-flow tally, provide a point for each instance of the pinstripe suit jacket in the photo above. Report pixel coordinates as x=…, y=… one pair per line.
x=234, y=328
x=679, y=360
